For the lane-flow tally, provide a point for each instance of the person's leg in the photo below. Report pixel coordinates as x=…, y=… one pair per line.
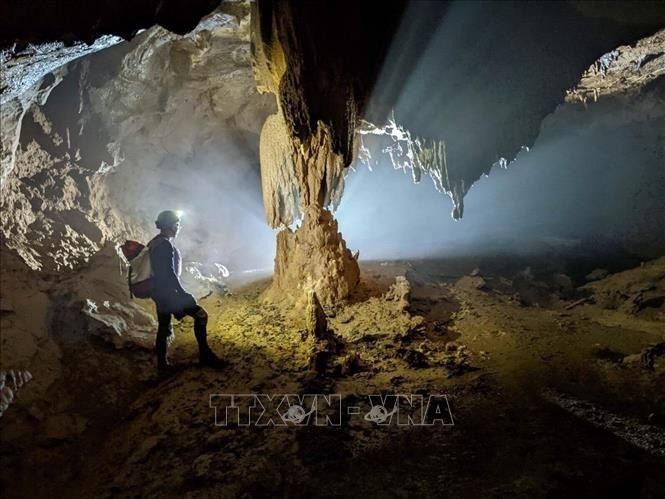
x=161, y=342
x=206, y=355
x=200, y=326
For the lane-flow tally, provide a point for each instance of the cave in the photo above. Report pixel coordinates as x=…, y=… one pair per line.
x=426, y=238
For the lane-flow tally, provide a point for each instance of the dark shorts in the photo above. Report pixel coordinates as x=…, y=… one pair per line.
x=175, y=304
x=196, y=313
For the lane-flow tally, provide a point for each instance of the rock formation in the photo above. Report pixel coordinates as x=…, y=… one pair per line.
x=8, y=380
x=154, y=108
x=93, y=150
x=480, y=111
x=456, y=117
x=307, y=145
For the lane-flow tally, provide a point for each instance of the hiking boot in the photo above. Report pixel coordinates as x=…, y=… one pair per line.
x=164, y=366
x=209, y=359
x=161, y=348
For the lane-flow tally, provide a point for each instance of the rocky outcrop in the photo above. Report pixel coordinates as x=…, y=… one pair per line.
x=637, y=293
x=39, y=40
x=625, y=71
x=413, y=154
x=23, y=69
x=94, y=150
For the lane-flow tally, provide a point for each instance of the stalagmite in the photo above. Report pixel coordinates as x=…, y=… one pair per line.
x=305, y=149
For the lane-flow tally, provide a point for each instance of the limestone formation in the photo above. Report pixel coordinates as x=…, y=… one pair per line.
x=417, y=155
x=313, y=258
x=400, y=292
x=92, y=151
x=300, y=179
x=23, y=70
x=476, y=115
x=95, y=132
x=308, y=144
x=626, y=70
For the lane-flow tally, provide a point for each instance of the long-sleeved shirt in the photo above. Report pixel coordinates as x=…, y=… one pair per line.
x=166, y=264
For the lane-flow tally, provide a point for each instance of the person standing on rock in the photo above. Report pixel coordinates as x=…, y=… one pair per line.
x=170, y=297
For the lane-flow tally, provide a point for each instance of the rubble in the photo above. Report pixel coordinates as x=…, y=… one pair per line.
x=371, y=345
x=414, y=358
x=639, y=291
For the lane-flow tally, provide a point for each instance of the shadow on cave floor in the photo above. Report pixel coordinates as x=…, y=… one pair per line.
x=552, y=385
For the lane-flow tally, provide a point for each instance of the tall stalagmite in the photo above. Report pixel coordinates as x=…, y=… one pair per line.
x=306, y=146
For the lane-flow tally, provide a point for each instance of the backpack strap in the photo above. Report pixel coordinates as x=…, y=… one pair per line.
x=129, y=284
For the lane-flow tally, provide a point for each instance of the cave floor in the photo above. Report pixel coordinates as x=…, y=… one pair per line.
x=547, y=383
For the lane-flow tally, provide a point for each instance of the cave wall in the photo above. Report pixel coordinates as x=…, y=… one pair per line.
x=94, y=145
x=104, y=143
x=100, y=145
x=515, y=69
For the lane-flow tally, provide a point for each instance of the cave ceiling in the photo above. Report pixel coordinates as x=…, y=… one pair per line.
x=474, y=78
x=71, y=20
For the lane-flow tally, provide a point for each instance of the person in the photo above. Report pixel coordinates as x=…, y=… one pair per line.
x=170, y=298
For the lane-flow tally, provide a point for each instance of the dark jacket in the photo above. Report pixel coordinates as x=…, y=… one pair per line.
x=168, y=293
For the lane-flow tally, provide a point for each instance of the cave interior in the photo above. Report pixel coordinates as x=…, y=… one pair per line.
x=409, y=202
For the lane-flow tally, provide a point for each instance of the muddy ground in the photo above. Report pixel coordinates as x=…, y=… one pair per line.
x=555, y=385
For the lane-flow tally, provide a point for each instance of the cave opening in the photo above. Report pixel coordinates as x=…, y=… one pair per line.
x=425, y=238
